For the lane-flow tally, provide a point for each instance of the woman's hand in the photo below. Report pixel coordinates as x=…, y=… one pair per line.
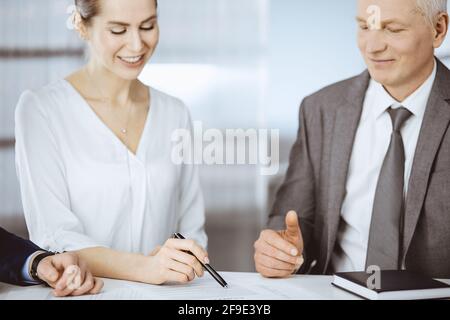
x=173, y=262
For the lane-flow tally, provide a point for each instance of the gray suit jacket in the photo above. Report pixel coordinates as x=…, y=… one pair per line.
x=315, y=184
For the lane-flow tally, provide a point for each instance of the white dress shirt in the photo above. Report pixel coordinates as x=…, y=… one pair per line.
x=369, y=150
x=81, y=187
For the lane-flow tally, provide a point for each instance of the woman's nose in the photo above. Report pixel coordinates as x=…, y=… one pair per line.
x=135, y=42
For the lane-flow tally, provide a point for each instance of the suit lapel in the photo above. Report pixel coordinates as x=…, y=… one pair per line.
x=435, y=124
x=346, y=122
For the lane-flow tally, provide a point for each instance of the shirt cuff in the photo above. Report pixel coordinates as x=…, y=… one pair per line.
x=26, y=277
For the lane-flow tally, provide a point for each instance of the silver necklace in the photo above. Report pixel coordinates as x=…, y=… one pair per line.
x=124, y=131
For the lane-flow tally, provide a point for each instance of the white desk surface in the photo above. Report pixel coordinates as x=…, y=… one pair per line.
x=249, y=286
x=242, y=286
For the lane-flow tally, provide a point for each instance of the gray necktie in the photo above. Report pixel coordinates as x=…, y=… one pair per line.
x=386, y=228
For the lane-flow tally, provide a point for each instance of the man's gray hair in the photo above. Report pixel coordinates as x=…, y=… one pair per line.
x=431, y=8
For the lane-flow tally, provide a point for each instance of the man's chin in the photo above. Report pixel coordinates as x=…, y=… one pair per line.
x=383, y=78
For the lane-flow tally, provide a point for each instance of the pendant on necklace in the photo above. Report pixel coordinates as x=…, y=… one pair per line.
x=124, y=131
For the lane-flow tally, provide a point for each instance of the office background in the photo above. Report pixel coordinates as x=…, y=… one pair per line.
x=237, y=64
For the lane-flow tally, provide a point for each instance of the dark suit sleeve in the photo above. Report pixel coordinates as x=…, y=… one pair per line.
x=297, y=191
x=14, y=252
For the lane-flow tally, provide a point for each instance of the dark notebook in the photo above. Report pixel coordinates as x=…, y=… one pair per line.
x=393, y=285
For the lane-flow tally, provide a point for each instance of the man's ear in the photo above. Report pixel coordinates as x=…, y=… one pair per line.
x=440, y=29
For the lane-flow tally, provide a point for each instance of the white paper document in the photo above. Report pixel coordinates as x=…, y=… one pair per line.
x=242, y=286
x=205, y=288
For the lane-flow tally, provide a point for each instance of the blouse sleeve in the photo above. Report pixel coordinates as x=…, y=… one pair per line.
x=192, y=208
x=40, y=169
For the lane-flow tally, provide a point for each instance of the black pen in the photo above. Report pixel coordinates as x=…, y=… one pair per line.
x=208, y=268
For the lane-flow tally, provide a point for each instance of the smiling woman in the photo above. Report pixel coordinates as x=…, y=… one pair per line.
x=94, y=156
x=107, y=29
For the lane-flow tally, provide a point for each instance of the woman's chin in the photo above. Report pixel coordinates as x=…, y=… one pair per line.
x=129, y=75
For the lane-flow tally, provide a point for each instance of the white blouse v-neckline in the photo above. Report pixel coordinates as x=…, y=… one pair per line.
x=101, y=124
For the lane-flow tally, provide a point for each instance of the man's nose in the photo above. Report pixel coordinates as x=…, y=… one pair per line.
x=375, y=42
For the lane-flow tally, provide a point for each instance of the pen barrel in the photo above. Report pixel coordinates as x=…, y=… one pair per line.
x=208, y=268
x=215, y=275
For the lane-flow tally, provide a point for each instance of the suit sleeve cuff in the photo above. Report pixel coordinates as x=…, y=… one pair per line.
x=26, y=274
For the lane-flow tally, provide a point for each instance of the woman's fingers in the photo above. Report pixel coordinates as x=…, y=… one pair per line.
x=189, y=246
x=179, y=260
x=69, y=282
x=181, y=268
x=187, y=259
x=86, y=285
x=98, y=286
x=174, y=276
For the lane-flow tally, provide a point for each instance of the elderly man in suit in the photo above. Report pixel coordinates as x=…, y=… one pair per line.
x=24, y=263
x=369, y=177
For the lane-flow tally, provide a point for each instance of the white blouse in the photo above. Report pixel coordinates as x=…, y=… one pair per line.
x=81, y=187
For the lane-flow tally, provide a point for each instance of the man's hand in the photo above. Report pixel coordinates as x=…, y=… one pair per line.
x=68, y=275
x=278, y=254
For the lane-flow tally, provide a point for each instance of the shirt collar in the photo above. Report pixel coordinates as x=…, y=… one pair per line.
x=416, y=102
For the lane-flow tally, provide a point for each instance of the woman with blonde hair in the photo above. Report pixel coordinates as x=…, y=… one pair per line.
x=94, y=161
